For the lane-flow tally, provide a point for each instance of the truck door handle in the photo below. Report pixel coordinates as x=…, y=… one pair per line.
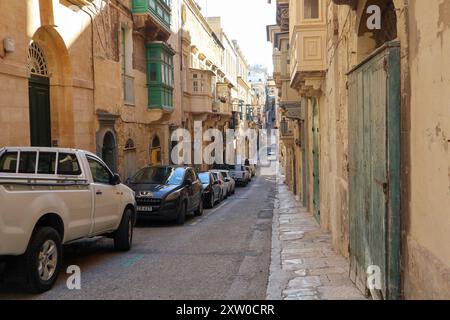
x=99, y=193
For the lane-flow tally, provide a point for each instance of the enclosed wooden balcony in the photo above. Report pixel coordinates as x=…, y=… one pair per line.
x=308, y=34
x=223, y=103
x=200, y=92
x=153, y=18
x=286, y=131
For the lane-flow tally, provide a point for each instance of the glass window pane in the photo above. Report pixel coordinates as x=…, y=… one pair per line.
x=99, y=172
x=311, y=9
x=68, y=165
x=153, y=76
x=27, y=162
x=46, y=164
x=163, y=74
x=8, y=162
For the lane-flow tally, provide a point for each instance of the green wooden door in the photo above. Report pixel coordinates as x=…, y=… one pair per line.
x=374, y=164
x=316, y=160
x=39, y=95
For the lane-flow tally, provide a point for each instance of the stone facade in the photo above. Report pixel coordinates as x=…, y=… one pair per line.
x=97, y=63
x=424, y=39
x=89, y=51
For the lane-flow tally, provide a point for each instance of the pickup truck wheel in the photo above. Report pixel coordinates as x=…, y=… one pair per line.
x=181, y=218
x=42, y=260
x=123, y=237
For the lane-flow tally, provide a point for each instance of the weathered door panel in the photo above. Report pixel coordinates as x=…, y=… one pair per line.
x=316, y=160
x=39, y=99
x=374, y=161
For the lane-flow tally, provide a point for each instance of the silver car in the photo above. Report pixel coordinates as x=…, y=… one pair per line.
x=228, y=181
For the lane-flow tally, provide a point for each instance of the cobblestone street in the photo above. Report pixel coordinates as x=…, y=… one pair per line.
x=304, y=265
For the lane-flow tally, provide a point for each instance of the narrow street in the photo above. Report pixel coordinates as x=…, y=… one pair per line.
x=225, y=254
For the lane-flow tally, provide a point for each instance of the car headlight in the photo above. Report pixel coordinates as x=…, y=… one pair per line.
x=173, y=196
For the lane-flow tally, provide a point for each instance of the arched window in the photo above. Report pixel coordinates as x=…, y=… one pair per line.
x=37, y=63
x=129, y=145
x=369, y=40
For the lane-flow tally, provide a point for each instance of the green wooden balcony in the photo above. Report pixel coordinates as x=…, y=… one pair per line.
x=159, y=10
x=160, y=77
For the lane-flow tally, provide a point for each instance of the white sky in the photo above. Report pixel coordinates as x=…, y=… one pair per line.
x=245, y=21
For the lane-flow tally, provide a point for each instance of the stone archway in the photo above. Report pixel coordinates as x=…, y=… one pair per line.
x=59, y=74
x=369, y=40
x=39, y=97
x=109, y=150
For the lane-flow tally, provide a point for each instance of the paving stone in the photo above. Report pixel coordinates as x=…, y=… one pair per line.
x=339, y=279
x=305, y=282
x=300, y=292
x=301, y=272
x=328, y=270
x=314, y=270
x=339, y=292
x=293, y=261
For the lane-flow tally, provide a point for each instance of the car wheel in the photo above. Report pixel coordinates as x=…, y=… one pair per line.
x=199, y=211
x=123, y=237
x=42, y=260
x=181, y=215
x=212, y=200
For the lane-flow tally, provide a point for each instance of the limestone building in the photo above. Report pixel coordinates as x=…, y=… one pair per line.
x=361, y=150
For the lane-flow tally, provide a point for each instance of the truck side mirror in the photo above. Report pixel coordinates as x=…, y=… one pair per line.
x=115, y=180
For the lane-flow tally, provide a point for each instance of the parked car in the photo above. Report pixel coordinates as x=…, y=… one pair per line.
x=249, y=170
x=220, y=181
x=251, y=166
x=228, y=181
x=240, y=175
x=53, y=196
x=212, y=191
x=167, y=193
x=272, y=154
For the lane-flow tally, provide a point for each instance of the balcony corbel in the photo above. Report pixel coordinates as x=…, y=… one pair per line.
x=352, y=3
x=292, y=110
x=145, y=24
x=312, y=86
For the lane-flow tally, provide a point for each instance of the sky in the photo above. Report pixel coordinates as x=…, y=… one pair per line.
x=245, y=21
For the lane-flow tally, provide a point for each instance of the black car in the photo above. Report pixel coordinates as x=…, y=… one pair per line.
x=212, y=191
x=167, y=193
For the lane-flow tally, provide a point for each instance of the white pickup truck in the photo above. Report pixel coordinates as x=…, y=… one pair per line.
x=50, y=197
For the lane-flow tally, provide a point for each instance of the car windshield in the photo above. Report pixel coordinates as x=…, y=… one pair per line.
x=204, y=177
x=159, y=175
